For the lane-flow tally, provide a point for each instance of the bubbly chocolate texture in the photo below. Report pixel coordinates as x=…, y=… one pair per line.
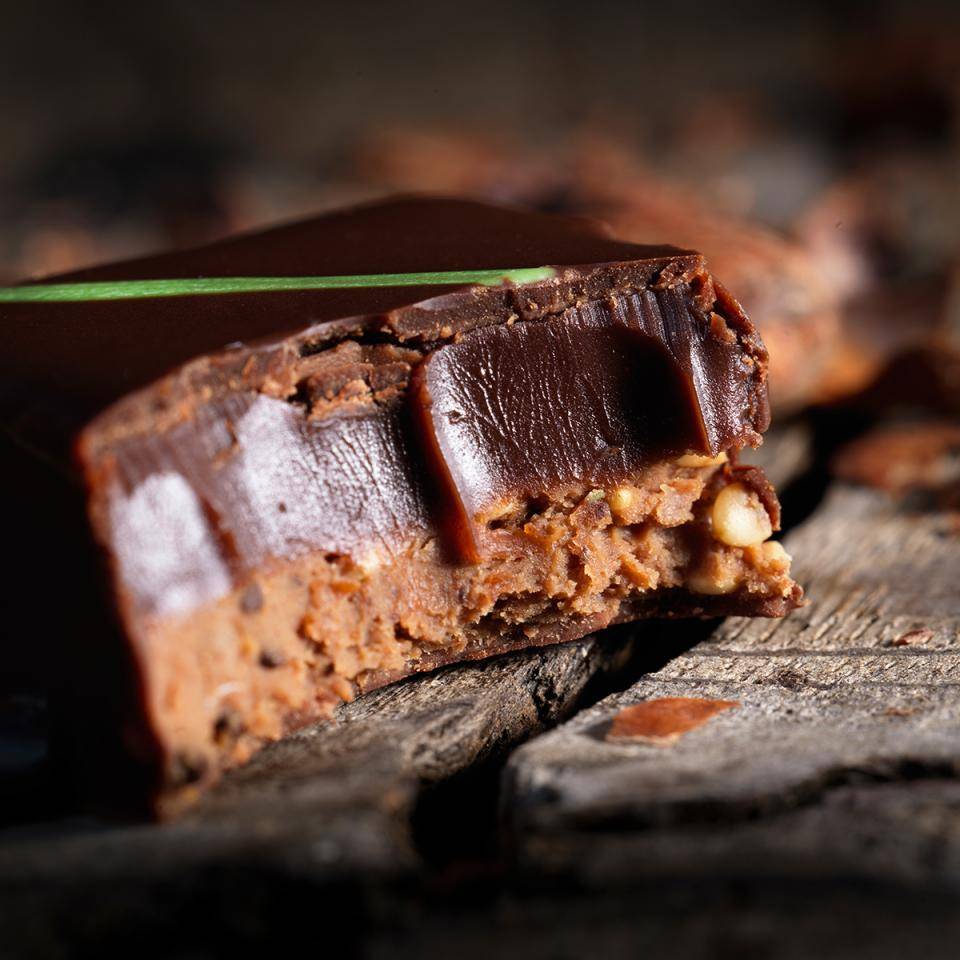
x=333, y=437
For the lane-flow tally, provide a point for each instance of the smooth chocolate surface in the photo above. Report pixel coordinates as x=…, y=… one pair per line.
x=250, y=480
x=589, y=396
x=96, y=352
x=310, y=441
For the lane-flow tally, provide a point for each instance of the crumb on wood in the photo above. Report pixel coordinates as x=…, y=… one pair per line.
x=922, y=635
x=665, y=720
x=899, y=711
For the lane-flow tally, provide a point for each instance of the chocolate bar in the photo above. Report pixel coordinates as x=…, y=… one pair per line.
x=302, y=494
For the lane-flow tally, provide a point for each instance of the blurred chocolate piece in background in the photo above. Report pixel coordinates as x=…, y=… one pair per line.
x=459, y=162
x=896, y=217
x=911, y=458
x=775, y=277
x=598, y=175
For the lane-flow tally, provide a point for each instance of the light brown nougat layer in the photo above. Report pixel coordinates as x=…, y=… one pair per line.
x=289, y=645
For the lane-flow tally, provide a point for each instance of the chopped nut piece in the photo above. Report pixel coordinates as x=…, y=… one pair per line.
x=774, y=553
x=620, y=500
x=700, y=460
x=769, y=556
x=713, y=578
x=502, y=510
x=645, y=578
x=711, y=586
x=739, y=518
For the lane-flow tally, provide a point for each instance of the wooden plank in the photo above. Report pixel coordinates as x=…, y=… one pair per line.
x=328, y=807
x=841, y=758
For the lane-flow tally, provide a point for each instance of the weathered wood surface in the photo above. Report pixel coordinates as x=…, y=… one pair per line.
x=331, y=805
x=841, y=760
x=839, y=764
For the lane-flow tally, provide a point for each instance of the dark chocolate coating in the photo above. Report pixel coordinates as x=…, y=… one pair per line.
x=234, y=447
x=96, y=352
x=250, y=480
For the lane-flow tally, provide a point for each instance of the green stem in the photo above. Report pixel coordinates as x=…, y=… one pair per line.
x=204, y=286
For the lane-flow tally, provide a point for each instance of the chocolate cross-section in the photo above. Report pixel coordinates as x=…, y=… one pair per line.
x=301, y=494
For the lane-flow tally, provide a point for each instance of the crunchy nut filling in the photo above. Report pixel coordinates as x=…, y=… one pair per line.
x=620, y=500
x=714, y=577
x=771, y=557
x=739, y=518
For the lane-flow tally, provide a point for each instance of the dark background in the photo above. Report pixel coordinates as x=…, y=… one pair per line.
x=129, y=127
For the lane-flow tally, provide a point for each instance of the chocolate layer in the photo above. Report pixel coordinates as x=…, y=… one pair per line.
x=218, y=470
x=64, y=364
x=97, y=352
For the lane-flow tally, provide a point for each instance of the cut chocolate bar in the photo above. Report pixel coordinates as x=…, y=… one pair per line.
x=302, y=495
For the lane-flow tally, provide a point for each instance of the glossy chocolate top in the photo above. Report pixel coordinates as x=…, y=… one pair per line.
x=590, y=397
x=97, y=351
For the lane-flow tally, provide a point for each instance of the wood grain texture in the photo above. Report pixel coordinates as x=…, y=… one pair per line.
x=842, y=758
x=328, y=808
